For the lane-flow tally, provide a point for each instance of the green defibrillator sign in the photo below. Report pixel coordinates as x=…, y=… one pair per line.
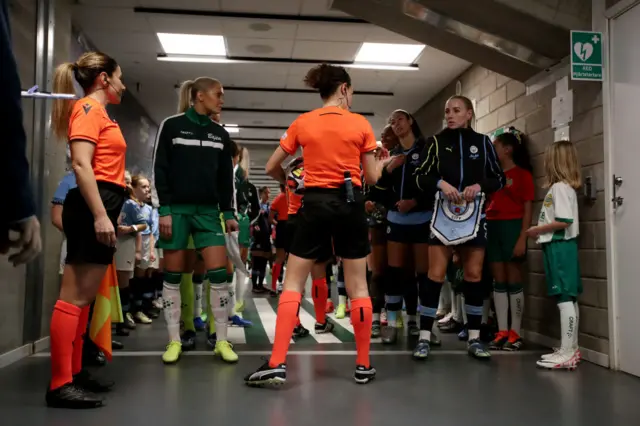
x=586, y=55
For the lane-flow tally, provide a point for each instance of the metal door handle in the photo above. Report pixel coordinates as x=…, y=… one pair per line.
x=617, y=201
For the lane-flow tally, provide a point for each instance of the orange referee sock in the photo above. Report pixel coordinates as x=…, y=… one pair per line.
x=275, y=274
x=361, y=317
x=64, y=325
x=287, y=317
x=78, y=343
x=319, y=293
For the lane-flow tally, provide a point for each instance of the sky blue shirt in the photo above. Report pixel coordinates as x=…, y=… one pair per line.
x=132, y=214
x=67, y=183
x=155, y=224
x=147, y=213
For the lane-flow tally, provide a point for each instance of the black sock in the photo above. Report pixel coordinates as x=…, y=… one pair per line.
x=158, y=280
x=429, y=298
x=474, y=298
x=135, y=284
x=147, y=293
x=263, y=269
x=376, y=291
x=394, y=288
x=410, y=293
x=125, y=299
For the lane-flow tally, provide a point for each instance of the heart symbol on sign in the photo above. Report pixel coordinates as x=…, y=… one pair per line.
x=584, y=51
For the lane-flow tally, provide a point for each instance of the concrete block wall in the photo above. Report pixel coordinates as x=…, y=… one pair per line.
x=501, y=101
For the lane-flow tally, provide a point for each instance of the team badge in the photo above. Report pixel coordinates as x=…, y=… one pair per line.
x=455, y=223
x=474, y=152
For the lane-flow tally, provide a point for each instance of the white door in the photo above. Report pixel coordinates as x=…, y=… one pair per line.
x=625, y=155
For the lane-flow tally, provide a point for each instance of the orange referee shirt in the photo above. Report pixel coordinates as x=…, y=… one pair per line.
x=280, y=206
x=332, y=139
x=90, y=122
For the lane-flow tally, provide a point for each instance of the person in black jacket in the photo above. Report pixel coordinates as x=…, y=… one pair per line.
x=194, y=179
x=462, y=165
x=18, y=212
x=376, y=206
x=261, y=241
x=408, y=232
x=246, y=204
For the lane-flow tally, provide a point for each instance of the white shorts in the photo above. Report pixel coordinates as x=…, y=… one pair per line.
x=126, y=253
x=145, y=262
x=63, y=256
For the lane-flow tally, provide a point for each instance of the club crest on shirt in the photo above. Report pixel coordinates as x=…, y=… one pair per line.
x=284, y=136
x=86, y=108
x=548, y=200
x=474, y=152
x=509, y=181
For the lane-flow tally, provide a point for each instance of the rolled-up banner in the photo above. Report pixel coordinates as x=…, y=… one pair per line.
x=233, y=251
x=456, y=223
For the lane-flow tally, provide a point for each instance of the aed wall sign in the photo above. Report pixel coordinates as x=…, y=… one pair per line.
x=586, y=55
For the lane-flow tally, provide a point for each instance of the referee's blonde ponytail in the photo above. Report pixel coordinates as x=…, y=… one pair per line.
x=85, y=71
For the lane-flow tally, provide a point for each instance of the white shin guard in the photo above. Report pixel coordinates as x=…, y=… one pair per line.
x=172, y=301
x=219, y=299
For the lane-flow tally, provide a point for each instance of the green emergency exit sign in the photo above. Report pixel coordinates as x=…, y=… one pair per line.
x=586, y=55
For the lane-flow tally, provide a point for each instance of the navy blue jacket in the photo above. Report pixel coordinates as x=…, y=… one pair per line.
x=460, y=157
x=14, y=167
x=400, y=184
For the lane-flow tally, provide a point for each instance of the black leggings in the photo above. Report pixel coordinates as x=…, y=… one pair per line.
x=258, y=270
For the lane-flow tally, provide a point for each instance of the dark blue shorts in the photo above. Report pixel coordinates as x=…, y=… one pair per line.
x=408, y=234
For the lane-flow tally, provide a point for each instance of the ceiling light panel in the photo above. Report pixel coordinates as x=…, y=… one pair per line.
x=388, y=53
x=193, y=44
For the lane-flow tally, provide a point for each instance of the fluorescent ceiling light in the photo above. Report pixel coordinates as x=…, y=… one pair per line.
x=382, y=67
x=388, y=53
x=223, y=60
x=193, y=44
x=230, y=125
x=231, y=129
x=199, y=59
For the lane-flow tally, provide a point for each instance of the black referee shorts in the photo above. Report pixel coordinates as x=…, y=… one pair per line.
x=78, y=224
x=282, y=235
x=327, y=224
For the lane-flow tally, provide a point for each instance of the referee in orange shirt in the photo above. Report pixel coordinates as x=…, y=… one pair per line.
x=335, y=143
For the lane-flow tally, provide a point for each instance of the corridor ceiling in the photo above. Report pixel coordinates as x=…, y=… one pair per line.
x=277, y=40
x=516, y=38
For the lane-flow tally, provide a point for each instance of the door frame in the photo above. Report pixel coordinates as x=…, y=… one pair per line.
x=602, y=21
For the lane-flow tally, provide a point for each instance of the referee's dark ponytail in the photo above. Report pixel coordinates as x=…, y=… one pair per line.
x=326, y=79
